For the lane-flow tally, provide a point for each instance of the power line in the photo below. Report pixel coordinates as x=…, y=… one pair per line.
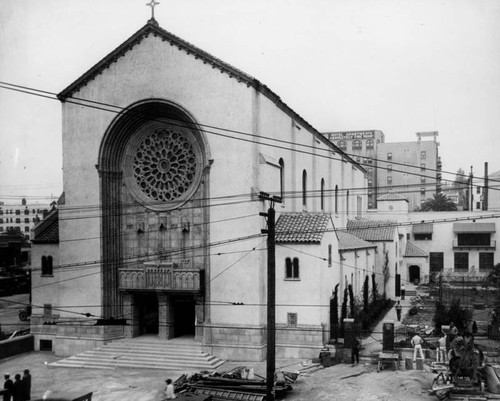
x=121, y=110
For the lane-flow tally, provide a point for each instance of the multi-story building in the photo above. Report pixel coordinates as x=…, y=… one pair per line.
x=362, y=146
x=412, y=169
x=22, y=216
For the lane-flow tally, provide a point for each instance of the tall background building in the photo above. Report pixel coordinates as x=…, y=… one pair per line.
x=412, y=169
x=361, y=146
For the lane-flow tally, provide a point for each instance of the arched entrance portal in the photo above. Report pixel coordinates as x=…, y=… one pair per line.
x=153, y=160
x=414, y=274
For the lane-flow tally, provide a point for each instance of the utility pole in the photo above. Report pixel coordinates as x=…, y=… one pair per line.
x=471, y=190
x=271, y=294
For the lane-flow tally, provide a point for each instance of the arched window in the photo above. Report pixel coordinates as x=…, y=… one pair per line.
x=347, y=203
x=49, y=265
x=357, y=145
x=304, y=188
x=336, y=198
x=322, y=200
x=292, y=268
x=44, y=265
x=288, y=268
x=282, y=179
x=369, y=144
x=342, y=145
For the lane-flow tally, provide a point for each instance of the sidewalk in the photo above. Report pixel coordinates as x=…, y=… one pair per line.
x=373, y=343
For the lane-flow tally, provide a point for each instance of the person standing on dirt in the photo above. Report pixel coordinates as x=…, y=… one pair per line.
x=356, y=345
x=441, y=351
x=403, y=291
x=416, y=342
x=398, y=310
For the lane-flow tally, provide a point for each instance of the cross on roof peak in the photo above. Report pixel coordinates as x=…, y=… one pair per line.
x=152, y=4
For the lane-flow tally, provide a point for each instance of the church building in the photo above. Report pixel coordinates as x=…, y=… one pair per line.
x=166, y=149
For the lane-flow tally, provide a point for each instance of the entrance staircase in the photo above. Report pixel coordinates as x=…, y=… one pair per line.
x=144, y=353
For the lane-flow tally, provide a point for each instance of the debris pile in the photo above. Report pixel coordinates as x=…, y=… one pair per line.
x=240, y=383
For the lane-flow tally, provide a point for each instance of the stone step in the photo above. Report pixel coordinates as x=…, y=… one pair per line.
x=167, y=355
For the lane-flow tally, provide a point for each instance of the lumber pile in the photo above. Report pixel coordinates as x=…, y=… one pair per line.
x=240, y=383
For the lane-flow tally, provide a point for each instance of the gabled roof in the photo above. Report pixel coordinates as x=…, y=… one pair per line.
x=372, y=230
x=413, y=251
x=47, y=231
x=301, y=227
x=152, y=28
x=391, y=196
x=350, y=242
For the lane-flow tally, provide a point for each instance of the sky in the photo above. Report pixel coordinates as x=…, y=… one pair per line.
x=397, y=66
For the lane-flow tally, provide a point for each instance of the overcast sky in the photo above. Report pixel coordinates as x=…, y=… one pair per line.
x=396, y=66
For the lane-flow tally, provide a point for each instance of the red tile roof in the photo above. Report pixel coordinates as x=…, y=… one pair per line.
x=413, y=251
x=372, y=230
x=302, y=227
x=350, y=242
x=47, y=231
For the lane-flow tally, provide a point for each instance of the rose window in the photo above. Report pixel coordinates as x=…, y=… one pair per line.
x=164, y=165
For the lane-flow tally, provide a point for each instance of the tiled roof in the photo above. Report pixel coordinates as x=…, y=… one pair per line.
x=372, y=230
x=413, y=251
x=301, y=227
x=47, y=231
x=391, y=196
x=350, y=242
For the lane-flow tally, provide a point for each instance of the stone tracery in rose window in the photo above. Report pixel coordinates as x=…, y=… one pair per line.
x=164, y=165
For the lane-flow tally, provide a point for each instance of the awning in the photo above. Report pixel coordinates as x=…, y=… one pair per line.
x=474, y=227
x=423, y=228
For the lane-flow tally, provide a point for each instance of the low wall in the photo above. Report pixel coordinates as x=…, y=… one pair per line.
x=16, y=346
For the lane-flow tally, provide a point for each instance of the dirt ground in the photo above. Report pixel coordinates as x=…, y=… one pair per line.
x=339, y=382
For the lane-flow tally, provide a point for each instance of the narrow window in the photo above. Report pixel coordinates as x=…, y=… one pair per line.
x=49, y=265
x=44, y=265
x=288, y=268
x=369, y=144
x=282, y=179
x=295, y=267
x=389, y=156
x=304, y=188
x=322, y=194
x=336, y=199
x=347, y=203
x=423, y=154
x=329, y=255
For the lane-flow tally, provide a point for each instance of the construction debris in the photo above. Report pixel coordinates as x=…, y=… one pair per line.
x=240, y=383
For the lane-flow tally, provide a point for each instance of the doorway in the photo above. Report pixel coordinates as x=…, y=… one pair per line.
x=184, y=316
x=147, y=307
x=414, y=274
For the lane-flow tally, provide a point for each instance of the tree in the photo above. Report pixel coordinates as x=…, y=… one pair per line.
x=343, y=313
x=334, y=314
x=374, y=289
x=352, y=308
x=494, y=280
x=366, y=293
x=439, y=203
x=385, y=271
